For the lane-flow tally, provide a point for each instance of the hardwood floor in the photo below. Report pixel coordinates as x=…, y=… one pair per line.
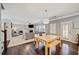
x=29, y=49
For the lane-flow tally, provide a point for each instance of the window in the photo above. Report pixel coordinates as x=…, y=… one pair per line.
x=40, y=28
x=53, y=28
x=65, y=31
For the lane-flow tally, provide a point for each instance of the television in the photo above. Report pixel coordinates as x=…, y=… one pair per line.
x=31, y=26
x=31, y=31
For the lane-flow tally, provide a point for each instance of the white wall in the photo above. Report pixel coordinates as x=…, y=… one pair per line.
x=19, y=27
x=1, y=41
x=23, y=27
x=0, y=29
x=74, y=19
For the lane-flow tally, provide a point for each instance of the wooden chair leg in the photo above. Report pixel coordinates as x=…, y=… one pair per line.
x=49, y=50
x=37, y=44
x=46, y=51
x=60, y=44
x=46, y=48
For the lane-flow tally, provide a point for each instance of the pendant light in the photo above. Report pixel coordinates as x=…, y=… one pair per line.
x=45, y=20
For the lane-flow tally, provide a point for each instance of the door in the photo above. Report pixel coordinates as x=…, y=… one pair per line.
x=53, y=28
x=66, y=29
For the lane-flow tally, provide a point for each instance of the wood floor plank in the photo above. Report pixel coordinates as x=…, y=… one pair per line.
x=67, y=48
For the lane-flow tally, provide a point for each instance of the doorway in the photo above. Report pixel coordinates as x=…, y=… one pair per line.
x=66, y=28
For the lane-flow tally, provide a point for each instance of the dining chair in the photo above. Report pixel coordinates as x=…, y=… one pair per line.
x=56, y=43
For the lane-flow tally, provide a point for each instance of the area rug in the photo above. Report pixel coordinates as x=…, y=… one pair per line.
x=18, y=40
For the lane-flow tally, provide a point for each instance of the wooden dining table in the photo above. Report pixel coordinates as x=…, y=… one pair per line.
x=50, y=40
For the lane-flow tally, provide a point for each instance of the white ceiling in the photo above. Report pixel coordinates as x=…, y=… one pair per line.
x=35, y=12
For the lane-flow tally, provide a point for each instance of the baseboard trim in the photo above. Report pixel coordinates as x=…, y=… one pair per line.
x=71, y=41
